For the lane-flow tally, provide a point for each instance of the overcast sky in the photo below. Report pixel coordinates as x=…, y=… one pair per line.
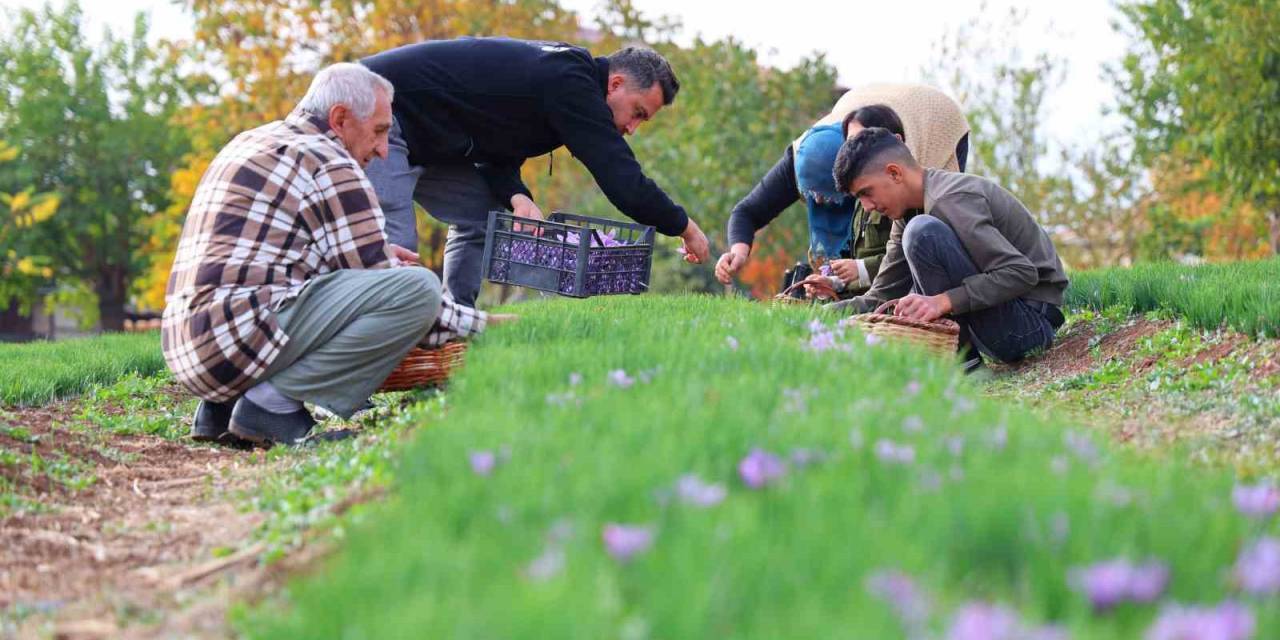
x=867, y=41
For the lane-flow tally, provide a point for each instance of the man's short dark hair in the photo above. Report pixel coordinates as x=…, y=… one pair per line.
x=645, y=66
x=868, y=151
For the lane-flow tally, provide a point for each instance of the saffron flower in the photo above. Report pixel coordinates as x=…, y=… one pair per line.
x=1107, y=584
x=1227, y=621
x=619, y=378
x=624, y=542
x=732, y=342
x=692, y=490
x=575, y=379
x=822, y=341
x=913, y=424
x=981, y=621
x=892, y=452
x=1256, y=501
x=1258, y=567
x=873, y=340
x=483, y=462
x=912, y=388
x=761, y=468
x=910, y=604
x=546, y=566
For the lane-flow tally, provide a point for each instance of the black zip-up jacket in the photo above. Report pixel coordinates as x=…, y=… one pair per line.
x=497, y=101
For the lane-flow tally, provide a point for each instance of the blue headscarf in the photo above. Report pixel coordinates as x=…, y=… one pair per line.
x=830, y=212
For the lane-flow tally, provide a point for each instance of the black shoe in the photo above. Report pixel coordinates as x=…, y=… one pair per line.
x=211, y=422
x=263, y=428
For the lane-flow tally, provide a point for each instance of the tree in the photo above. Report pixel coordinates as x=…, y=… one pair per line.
x=94, y=125
x=25, y=268
x=1201, y=81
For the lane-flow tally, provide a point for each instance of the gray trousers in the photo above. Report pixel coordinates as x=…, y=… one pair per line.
x=454, y=194
x=347, y=330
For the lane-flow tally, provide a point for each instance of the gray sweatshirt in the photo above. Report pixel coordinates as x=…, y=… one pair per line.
x=1014, y=255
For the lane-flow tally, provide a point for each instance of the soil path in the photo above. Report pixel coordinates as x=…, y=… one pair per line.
x=160, y=523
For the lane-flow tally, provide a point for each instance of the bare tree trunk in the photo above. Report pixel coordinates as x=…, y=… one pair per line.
x=112, y=290
x=14, y=325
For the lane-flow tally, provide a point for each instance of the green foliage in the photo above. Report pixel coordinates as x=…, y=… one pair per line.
x=1242, y=295
x=138, y=405
x=1084, y=194
x=93, y=123
x=39, y=372
x=1003, y=520
x=1202, y=81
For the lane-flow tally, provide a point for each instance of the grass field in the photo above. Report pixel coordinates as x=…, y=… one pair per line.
x=907, y=505
x=37, y=372
x=1242, y=295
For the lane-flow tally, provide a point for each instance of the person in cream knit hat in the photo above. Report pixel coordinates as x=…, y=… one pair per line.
x=933, y=127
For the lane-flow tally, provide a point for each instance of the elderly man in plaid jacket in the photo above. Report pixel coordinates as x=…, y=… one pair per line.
x=282, y=289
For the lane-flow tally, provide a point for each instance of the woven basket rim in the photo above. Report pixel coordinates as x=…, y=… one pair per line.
x=944, y=326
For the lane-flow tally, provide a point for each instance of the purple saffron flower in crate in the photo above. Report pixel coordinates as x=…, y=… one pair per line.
x=761, y=468
x=483, y=462
x=1256, y=501
x=1109, y=583
x=1227, y=621
x=894, y=453
x=692, y=490
x=624, y=542
x=1257, y=569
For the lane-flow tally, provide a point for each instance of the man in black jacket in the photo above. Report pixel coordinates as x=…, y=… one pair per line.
x=468, y=112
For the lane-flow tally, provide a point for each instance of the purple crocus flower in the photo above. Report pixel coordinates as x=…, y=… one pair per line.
x=1256, y=501
x=822, y=341
x=692, y=490
x=1258, y=567
x=873, y=340
x=909, y=602
x=913, y=424
x=732, y=342
x=892, y=452
x=575, y=379
x=624, y=542
x=981, y=621
x=1227, y=621
x=619, y=378
x=1109, y=583
x=483, y=462
x=803, y=456
x=546, y=566
x=912, y=388
x=761, y=468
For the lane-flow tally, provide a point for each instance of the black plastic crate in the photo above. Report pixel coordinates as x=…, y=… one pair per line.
x=573, y=255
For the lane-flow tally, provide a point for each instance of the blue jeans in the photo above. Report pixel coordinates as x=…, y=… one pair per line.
x=1007, y=332
x=453, y=193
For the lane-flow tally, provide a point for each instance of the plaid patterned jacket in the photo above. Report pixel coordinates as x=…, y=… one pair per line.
x=278, y=206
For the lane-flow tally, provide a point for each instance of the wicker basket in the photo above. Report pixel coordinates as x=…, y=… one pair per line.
x=426, y=367
x=941, y=337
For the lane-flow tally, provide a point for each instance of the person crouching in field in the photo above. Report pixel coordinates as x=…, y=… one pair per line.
x=970, y=250
x=282, y=289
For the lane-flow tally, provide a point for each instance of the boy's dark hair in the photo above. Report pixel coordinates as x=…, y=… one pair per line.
x=871, y=149
x=875, y=115
x=645, y=66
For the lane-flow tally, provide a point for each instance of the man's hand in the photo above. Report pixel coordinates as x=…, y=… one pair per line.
x=696, y=249
x=402, y=257
x=847, y=270
x=732, y=262
x=918, y=307
x=496, y=319
x=523, y=207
